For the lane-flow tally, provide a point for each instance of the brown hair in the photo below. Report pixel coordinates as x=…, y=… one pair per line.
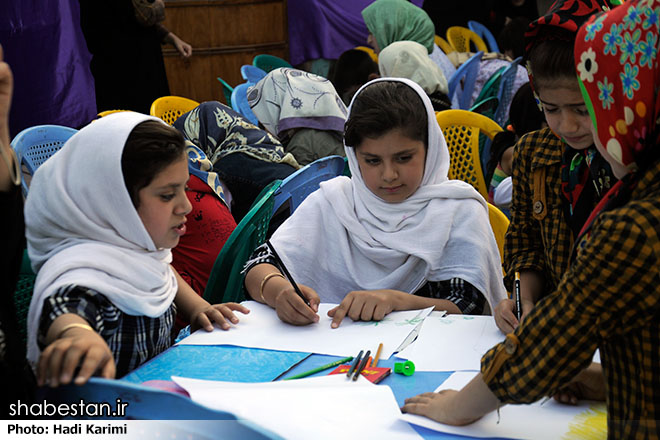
x=150, y=148
x=385, y=106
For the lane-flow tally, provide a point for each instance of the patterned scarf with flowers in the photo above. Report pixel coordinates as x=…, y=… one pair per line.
x=617, y=61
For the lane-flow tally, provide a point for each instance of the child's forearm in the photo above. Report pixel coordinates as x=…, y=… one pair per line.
x=414, y=302
x=186, y=298
x=531, y=286
x=63, y=323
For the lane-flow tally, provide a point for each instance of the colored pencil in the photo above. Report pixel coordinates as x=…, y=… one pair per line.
x=321, y=368
x=380, y=348
x=356, y=361
x=362, y=365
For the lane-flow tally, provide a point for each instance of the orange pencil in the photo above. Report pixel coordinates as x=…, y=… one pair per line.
x=380, y=348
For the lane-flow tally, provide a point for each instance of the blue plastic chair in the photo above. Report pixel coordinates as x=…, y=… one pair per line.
x=504, y=97
x=252, y=74
x=467, y=72
x=306, y=180
x=34, y=145
x=268, y=62
x=484, y=33
x=227, y=90
x=240, y=103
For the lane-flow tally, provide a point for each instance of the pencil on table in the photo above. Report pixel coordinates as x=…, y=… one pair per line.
x=380, y=348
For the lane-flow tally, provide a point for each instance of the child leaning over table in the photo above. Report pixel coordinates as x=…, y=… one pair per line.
x=609, y=298
x=102, y=216
x=398, y=235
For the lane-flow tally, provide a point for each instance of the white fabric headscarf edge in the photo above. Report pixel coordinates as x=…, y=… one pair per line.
x=83, y=229
x=341, y=238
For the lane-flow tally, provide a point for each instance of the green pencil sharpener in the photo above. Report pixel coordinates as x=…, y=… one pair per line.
x=406, y=368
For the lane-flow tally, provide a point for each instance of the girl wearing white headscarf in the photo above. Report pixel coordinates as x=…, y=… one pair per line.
x=101, y=217
x=409, y=59
x=303, y=110
x=398, y=235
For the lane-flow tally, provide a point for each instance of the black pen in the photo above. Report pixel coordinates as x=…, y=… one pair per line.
x=362, y=365
x=355, y=364
x=287, y=274
x=516, y=293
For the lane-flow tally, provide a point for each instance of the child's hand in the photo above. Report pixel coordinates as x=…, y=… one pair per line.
x=436, y=406
x=292, y=309
x=79, y=347
x=366, y=305
x=205, y=316
x=588, y=384
x=505, y=316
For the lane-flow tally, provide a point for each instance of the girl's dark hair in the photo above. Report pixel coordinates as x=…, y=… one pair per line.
x=524, y=113
x=512, y=36
x=351, y=71
x=150, y=148
x=552, y=59
x=385, y=106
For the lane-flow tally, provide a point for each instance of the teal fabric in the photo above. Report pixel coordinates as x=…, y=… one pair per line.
x=399, y=20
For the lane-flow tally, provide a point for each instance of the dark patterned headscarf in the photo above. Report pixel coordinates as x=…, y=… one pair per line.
x=563, y=19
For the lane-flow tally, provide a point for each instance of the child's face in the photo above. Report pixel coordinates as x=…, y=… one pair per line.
x=392, y=165
x=164, y=205
x=371, y=41
x=566, y=113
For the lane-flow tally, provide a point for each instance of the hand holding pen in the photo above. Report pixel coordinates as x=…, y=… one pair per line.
x=300, y=308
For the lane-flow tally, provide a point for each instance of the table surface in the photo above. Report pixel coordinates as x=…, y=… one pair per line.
x=240, y=364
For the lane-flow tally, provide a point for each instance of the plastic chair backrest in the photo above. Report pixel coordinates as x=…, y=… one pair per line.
x=269, y=62
x=226, y=281
x=467, y=73
x=226, y=90
x=484, y=33
x=169, y=108
x=109, y=112
x=34, y=145
x=239, y=102
x=252, y=74
x=297, y=186
x=461, y=129
x=369, y=51
x=505, y=92
x=460, y=37
x=443, y=44
x=499, y=223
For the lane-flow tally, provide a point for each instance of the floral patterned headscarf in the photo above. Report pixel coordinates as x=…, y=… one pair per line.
x=616, y=55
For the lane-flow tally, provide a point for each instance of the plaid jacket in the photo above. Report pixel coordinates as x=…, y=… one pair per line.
x=609, y=299
x=538, y=237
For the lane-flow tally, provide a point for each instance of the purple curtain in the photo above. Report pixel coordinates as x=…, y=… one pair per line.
x=46, y=50
x=326, y=28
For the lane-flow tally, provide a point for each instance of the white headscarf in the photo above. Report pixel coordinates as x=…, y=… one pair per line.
x=83, y=229
x=290, y=98
x=343, y=237
x=409, y=59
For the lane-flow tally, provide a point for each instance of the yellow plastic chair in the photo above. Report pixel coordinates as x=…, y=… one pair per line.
x=461, y=129
x=499, y=223
x=109, y=112
x=459, y=38
x=169, y=108
x=370, y=51
x=444, y=44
